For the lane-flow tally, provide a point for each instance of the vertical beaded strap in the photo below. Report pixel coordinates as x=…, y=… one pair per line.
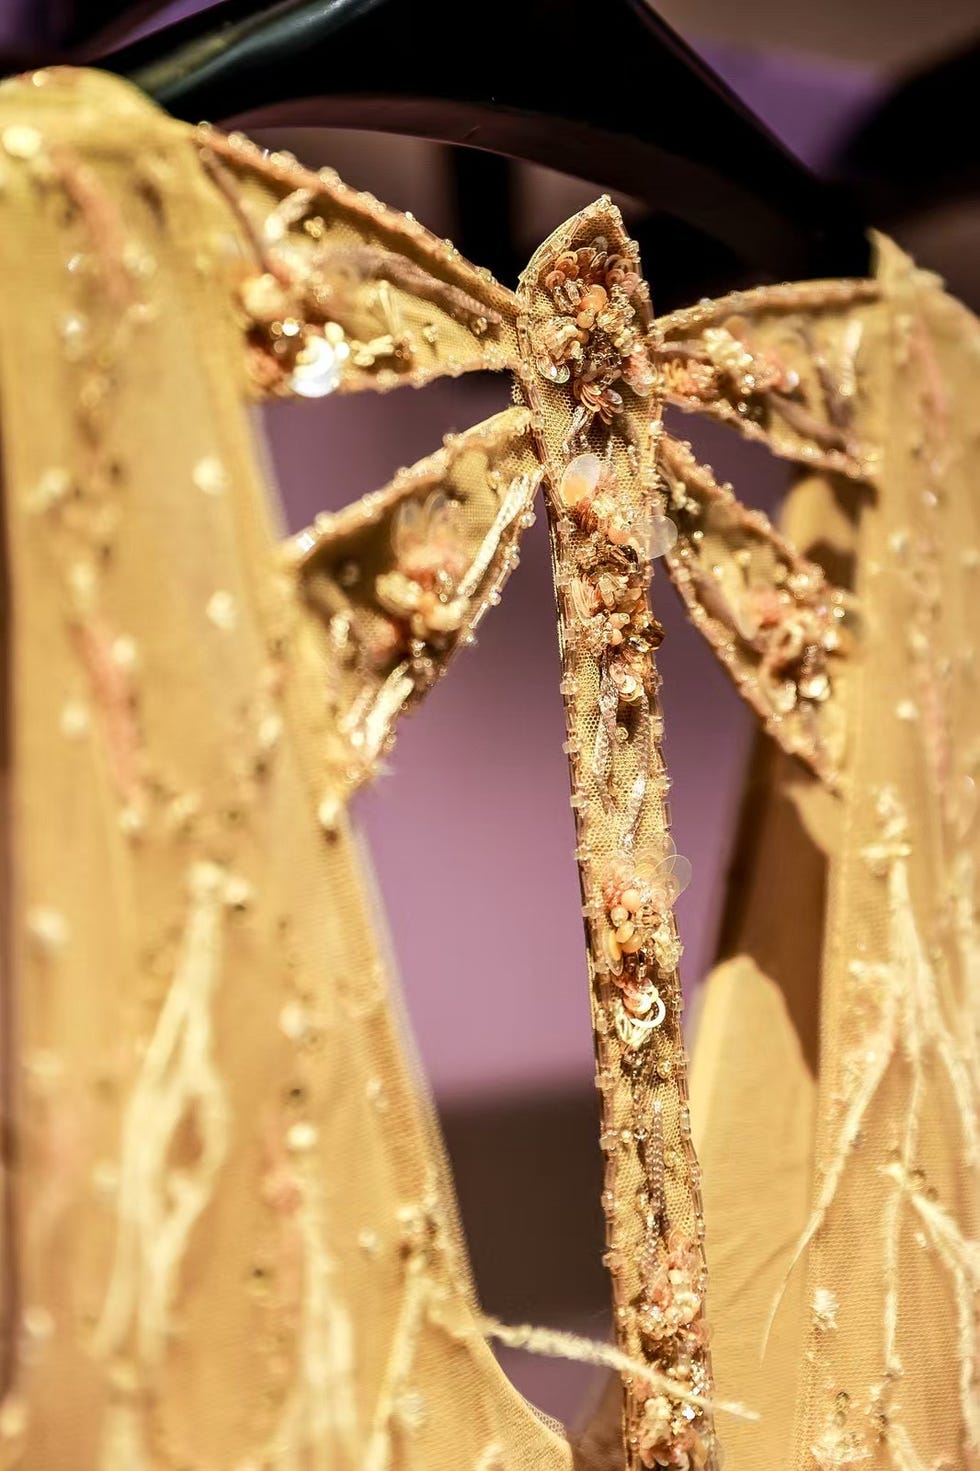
x=588, y=377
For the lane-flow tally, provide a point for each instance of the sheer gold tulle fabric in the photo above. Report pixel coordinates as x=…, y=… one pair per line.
x=836, y=1069
x=230, y=1241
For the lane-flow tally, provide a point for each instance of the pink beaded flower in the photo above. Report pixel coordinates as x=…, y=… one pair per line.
x=638, y=895
x=429, y=562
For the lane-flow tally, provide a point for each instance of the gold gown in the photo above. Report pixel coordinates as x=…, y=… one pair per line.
x=230, y=1241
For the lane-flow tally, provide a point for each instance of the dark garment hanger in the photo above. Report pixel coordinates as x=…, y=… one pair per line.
x=601, y=89
x=918, y=148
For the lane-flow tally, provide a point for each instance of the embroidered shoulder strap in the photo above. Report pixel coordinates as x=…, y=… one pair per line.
x=587, y=376
x=402, y=579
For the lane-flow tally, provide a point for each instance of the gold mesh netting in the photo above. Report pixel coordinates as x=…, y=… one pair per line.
x=835, y=1076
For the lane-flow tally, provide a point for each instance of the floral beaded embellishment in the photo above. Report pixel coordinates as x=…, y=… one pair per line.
x=429, y=561
x=597, y=336
x=638, y=897
x=758, y=360
x=611, y=618
x=338, y=292
x=316, y=309
x=777, y=624
x=589, y=377
x=401, y=580
x=608, y=602
x=671, y=1433
x=772, y=617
